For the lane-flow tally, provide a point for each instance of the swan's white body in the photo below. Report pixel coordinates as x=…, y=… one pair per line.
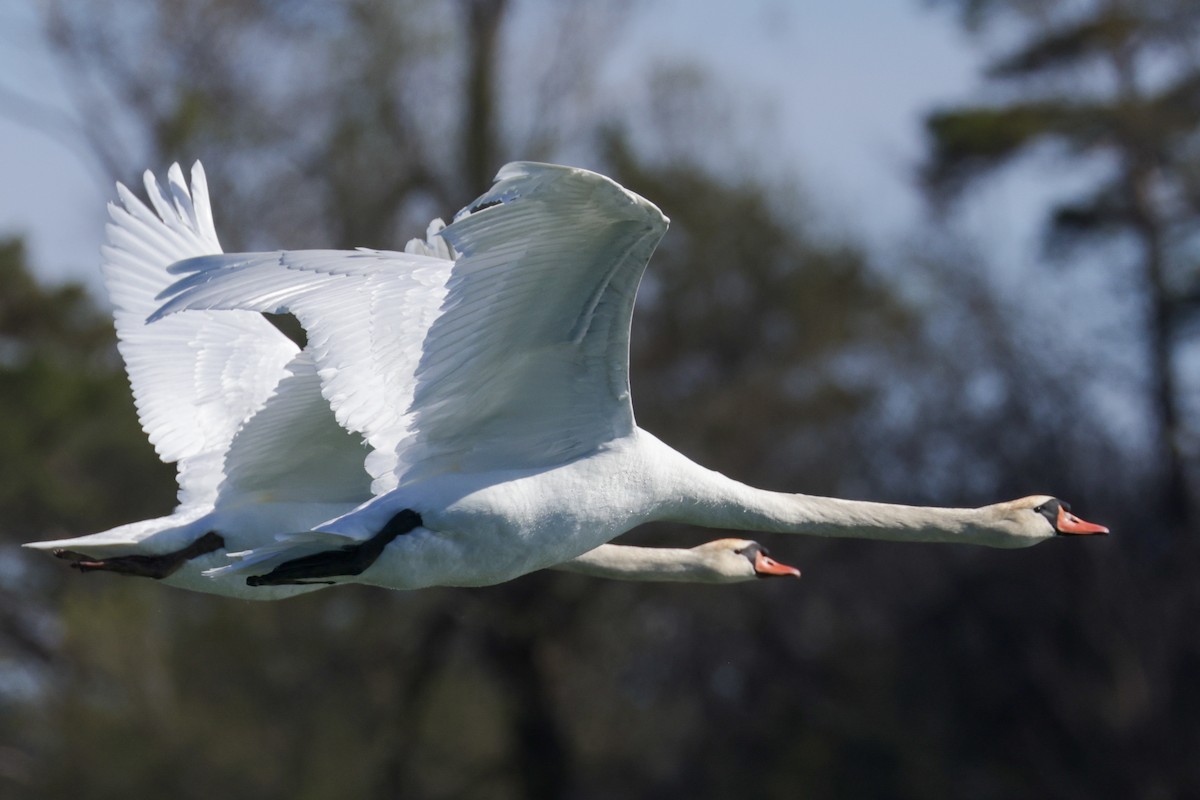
x=239, y=407
x=488, y=371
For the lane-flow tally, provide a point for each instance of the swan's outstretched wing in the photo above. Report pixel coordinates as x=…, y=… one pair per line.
x=195, y=379
x=366, y=313
x=527, y=365
x=514, y=355
x=293, y=450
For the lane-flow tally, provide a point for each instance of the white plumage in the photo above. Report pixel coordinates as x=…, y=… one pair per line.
x=494, y=389
x=214, y=393
x=508, y=360
x=240, y=408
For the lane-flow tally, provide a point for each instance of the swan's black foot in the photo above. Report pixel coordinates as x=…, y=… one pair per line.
x=157, y=567
x=351, y=559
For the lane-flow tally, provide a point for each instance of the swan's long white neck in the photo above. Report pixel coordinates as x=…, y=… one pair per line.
x=700, y=496
x=621, y=562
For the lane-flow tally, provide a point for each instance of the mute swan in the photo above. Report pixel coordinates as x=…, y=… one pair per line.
x=718, y=561
x=226, y=396
x=488, y=372
x=238, y=406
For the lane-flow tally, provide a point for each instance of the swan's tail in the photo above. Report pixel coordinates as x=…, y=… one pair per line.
x=95, y=544
x=146, y=537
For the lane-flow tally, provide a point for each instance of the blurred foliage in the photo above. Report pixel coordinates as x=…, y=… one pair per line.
x=760, y=347
x=58, y=361
x=1119, y=80
x=751, y=353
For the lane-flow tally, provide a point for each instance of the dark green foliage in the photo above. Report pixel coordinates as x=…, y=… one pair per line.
x=1074, y=43
x=1120, y=80
x=1062, y=654
x=58, y=363
x=968, y=142
x=752, y=353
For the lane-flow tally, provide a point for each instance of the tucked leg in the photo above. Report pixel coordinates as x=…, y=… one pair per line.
x=351, y=559
x=157, y=566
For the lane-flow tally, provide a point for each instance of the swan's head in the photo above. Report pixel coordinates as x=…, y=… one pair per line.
x=741, y=559
x=1033, y=519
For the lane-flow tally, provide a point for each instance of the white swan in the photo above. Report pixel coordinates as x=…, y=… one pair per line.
x=494, y=391
x=226, y=396
x=718, y=561
x=238, y=406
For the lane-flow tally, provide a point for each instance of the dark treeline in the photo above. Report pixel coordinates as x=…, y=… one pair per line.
x=762, y=347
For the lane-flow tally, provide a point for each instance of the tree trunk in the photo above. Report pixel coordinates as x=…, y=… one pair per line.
x=1176, y=501
x=479, y=134
x=1150, y=228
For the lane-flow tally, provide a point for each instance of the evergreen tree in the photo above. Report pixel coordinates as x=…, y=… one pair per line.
x=1118, y=79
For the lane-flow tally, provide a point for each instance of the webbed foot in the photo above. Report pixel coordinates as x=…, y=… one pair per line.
x=351, y=559
x=156, y=566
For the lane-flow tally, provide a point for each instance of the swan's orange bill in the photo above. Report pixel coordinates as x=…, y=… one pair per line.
x=766, y=566
x=1069, y=523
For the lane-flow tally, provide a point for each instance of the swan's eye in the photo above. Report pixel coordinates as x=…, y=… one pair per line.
x=1050, y=510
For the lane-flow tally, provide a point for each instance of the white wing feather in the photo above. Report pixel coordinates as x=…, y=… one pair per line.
x=226, y=395
x=515, y=355
x=527, y=365
x=195, y=380
x=293, y=450
x=366, y=313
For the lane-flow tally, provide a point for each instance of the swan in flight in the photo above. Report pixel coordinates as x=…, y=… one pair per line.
x=238, y=406
x=487, y=369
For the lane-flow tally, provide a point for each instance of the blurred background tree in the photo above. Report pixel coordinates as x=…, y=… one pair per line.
x=763, y=345
x=1115, y=83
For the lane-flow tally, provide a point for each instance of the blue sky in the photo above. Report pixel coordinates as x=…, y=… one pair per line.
x=843, y=85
